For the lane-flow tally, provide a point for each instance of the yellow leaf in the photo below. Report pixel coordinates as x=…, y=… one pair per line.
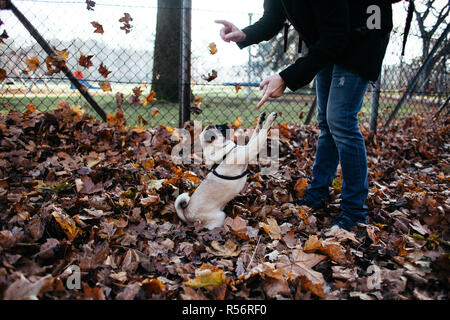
x=189, y=175
x=33, y=63
x=67, y=224
x=212, y=48
x=238, y=122
x=62, y=55
x=207, y=276
x=77, y=110
x=105, y=85
x=148, y=164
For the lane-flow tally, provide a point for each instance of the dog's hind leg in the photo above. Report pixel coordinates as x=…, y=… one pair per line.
x=217, y=221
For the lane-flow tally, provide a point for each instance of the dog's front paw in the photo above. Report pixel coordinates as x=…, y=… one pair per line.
x=261, y=119
x=270, y=120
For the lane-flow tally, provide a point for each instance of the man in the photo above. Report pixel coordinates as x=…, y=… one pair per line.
x=346, y=42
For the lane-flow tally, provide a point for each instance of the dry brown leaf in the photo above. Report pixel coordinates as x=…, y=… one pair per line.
x=271, y=228
x=229, y=249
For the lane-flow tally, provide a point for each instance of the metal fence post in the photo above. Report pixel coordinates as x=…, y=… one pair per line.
x=311, y=111
x=185, y=70
x=249, y=69
x=374, y=105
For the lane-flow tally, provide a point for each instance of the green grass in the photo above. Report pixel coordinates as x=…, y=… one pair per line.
x=220, y=104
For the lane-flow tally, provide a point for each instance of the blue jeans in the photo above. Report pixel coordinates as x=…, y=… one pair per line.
x=340, y=95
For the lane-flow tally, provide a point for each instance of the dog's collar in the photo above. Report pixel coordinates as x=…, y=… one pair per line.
x=214, y=167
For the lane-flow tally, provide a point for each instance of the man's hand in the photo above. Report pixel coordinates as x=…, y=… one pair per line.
x=273, y=87
x=230, y=32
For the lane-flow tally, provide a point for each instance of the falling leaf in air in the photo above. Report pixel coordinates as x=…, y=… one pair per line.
x=238, y=122
x=151, y=96
x=33, y=63
x=2, y=74
x=61, y=55
x=119, y=99
x=137, y=91
x=98, y=27
x=85, y=61
x=105, y=85
x=155, y=111
x=212, y=48
x=103, y=70
x=237, y=88
x=126, y=22
x=3, y=36
x=90, y=5
x=211, y=76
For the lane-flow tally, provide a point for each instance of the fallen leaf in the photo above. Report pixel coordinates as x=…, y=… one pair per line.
x=300, y=187
x=206, y=276
x=23, y=289
x=271, y=228
x=67, y=224
x=228, y=250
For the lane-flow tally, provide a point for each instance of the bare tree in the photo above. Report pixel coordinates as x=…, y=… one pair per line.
x=431, y=17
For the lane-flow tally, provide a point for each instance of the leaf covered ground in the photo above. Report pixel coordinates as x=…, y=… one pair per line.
x=78, y=194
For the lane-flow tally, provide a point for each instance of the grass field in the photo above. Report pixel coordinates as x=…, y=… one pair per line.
x=220, y=104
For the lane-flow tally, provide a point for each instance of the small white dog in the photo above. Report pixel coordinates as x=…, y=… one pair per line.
x=229, y=173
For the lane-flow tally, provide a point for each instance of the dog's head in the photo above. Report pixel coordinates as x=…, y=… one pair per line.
x=214, y=135
x=215, y=139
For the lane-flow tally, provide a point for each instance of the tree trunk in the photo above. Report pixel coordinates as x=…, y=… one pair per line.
x=166, y=60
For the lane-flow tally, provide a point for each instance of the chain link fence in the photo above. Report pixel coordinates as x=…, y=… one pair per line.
x=119, y=52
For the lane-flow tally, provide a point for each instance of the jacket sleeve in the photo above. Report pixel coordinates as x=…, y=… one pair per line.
x=333, y=21
x=267, y=27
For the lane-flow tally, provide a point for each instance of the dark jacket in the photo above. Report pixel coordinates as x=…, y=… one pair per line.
x=335, y=32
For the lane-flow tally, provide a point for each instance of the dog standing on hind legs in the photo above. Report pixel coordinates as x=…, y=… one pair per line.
x=228, y=176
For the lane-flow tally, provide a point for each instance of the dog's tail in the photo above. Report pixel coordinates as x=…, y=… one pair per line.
x=181, y=203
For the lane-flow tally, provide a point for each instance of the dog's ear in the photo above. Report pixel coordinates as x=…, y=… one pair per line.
x=224, y=130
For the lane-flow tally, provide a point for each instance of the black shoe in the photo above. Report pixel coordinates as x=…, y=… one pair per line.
x=310, y=204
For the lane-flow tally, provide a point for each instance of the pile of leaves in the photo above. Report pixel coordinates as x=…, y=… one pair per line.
x=86, y=212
